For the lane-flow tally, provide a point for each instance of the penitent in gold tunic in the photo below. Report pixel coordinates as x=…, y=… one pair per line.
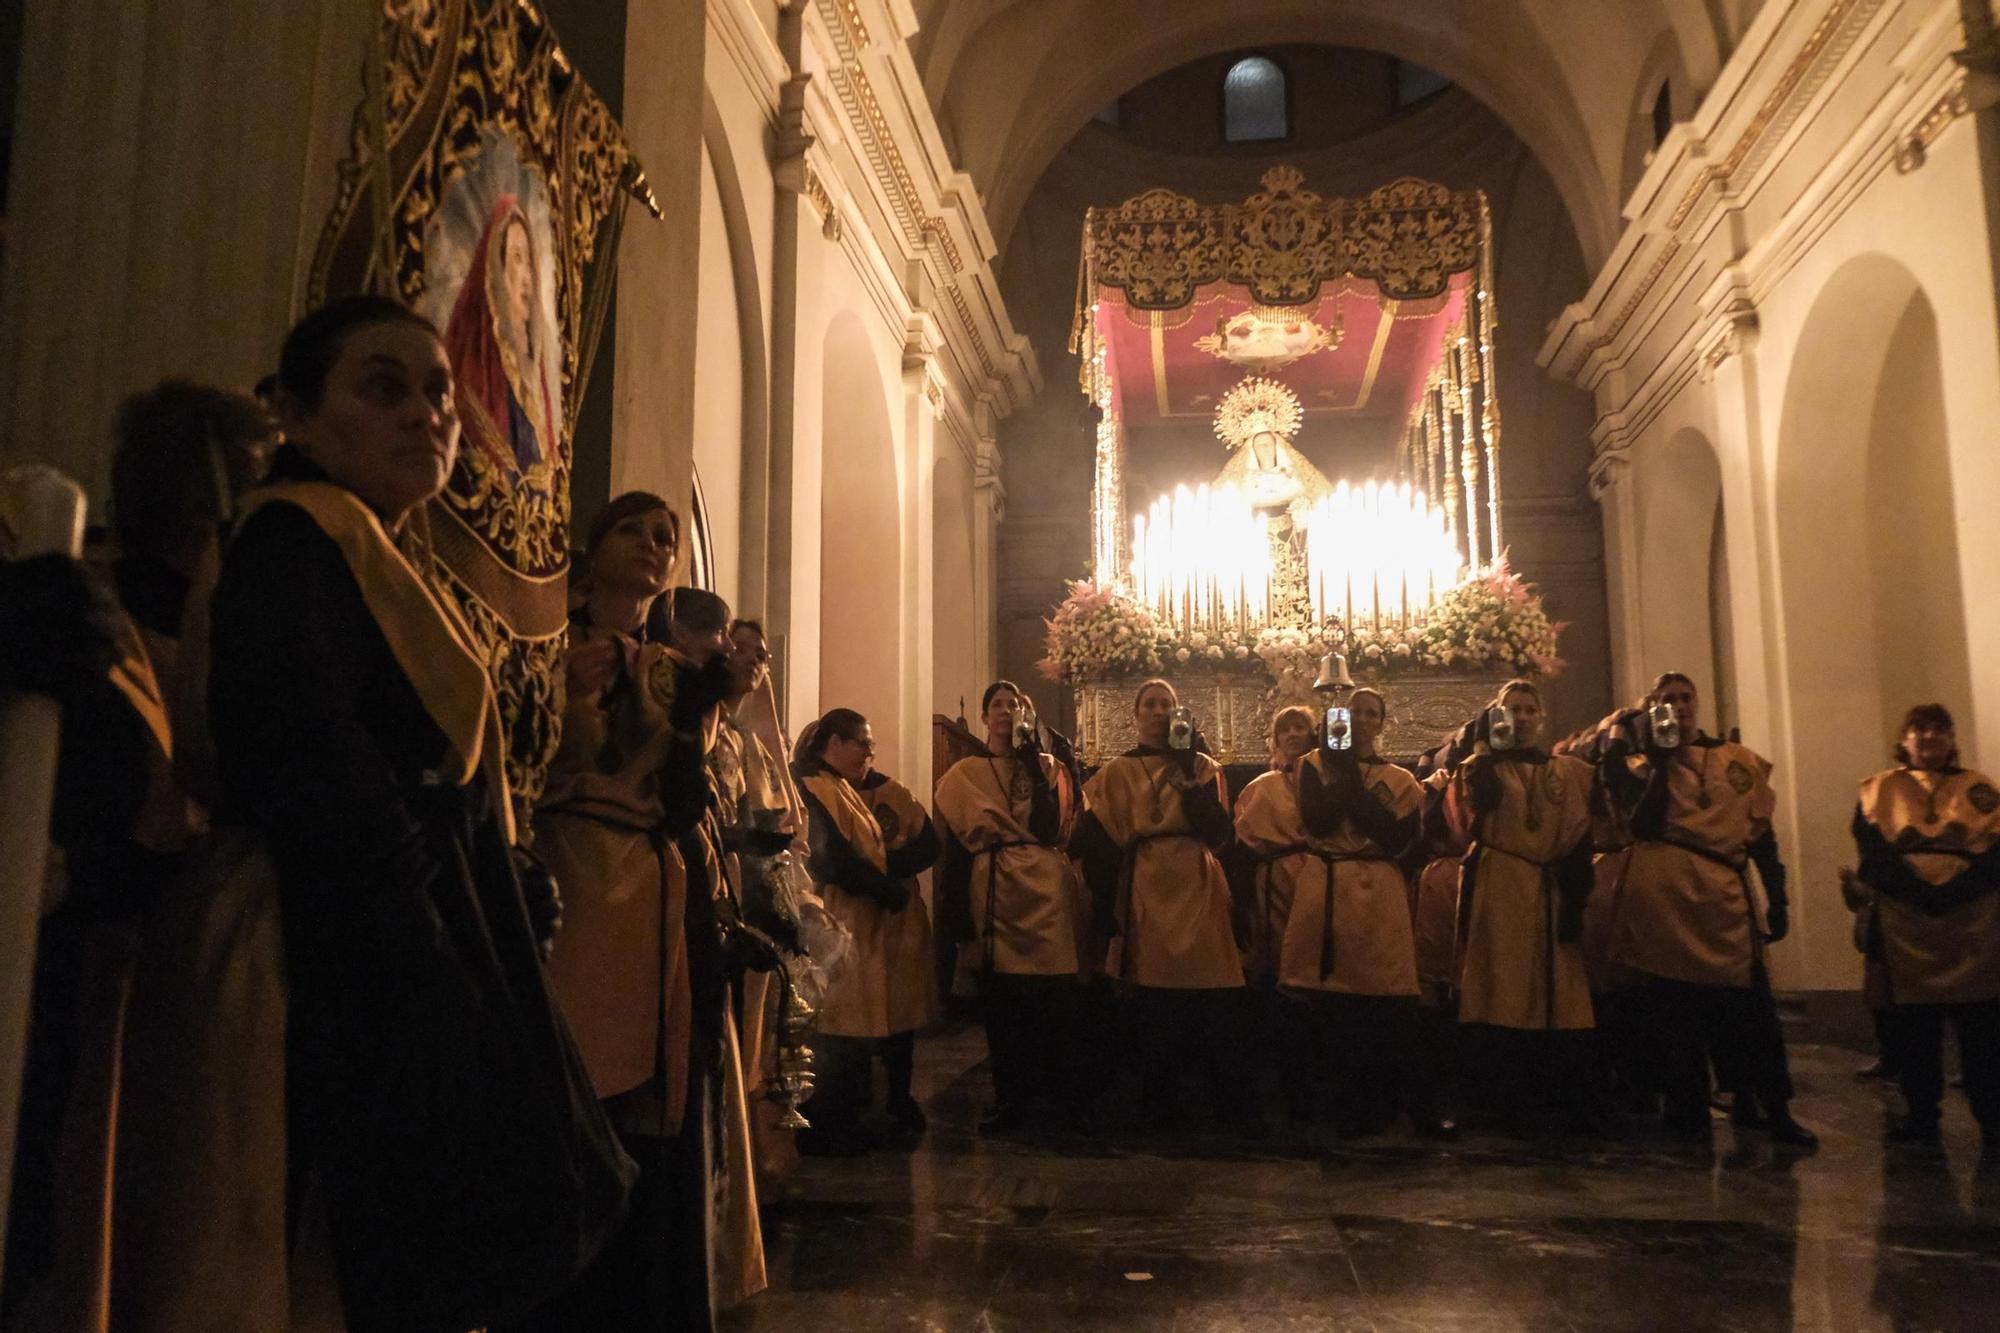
x=1028, y=902
x=1270, y=828
x=1363, y=929
x=889, y=984
x=1937, y=822
x=1173, y=908
x=1515, y=972
x=1685, y=911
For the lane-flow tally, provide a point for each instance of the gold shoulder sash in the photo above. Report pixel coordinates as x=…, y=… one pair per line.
x=852, y=818
x=430, y=643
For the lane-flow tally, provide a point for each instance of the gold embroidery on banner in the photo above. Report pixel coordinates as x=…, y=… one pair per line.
x=460, y=80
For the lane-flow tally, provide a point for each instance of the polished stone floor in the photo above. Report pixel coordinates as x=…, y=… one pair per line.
x=1195, y=1235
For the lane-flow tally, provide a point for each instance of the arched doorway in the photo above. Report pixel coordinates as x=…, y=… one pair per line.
x=1872, y=607
x=861, y=549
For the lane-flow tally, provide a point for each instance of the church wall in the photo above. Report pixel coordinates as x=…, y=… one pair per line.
x=1834, y=336
x=1553, y=530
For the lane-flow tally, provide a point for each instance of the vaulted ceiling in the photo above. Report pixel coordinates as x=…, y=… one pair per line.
x=1011, y=81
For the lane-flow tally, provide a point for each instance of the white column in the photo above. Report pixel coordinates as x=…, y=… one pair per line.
x=989, y=506
x=923, y=405
x=659, y=262
x=1612, y=487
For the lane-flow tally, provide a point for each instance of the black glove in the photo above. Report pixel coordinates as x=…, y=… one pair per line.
x=542, y=896
x=1483, y=777
x=697, y=691
x=892, y=895
x=1343, y=766
x=1777, y=922
x=56, y=627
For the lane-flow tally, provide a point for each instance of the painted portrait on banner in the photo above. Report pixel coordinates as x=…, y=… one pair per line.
x=489, y=284
x=484, y=186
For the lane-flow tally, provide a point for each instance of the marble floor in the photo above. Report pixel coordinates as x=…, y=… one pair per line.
x=1198, y=1235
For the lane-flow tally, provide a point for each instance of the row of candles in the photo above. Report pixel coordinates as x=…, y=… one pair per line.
x=1384, y=551
x=1202, y=559
x=1375, y=555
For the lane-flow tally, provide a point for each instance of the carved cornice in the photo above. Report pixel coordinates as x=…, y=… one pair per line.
x=1915, y=146
x=822, y=202
x=1754, y=111
x=1608, y=470
x=1734, y=334
x=1807, y=72
x=1009, y=369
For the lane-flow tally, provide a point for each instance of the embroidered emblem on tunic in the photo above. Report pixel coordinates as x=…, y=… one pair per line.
x=1019, y=790
x=1380, y=791
x=660, y=682
x=1553, y=784
x=1740, y=778
x=1984, y=799
x=885, y=815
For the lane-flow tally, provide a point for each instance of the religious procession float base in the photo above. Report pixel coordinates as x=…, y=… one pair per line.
x=1234, y=713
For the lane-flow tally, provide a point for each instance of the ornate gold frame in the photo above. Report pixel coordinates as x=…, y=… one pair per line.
x=440, y=75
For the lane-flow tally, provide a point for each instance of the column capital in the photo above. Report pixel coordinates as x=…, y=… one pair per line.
x=986, y=475
x=1608, y=472
x=1733, y=332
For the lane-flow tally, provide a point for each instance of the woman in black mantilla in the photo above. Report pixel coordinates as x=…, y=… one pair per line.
x=439, y=1114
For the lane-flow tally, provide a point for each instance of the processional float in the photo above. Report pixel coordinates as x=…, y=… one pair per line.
x=1295, y=328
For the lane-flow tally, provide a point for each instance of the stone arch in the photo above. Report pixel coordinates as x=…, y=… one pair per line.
x=1680, y=484
x=1871, y=605
x=749, y=497
x=1665, y=69
x=1013, y=97
x=861, y=546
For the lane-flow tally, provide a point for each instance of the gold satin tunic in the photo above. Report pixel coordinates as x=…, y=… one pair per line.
x=1373, y=944
x=1515, y=973
x=1937, y=822
x=1028, y=901
x=1682, y=914
x=1174, y=910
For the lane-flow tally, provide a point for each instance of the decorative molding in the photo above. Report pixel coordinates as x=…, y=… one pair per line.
x=1608, y=470
x=1010, y=369
x=986, y=476
x=1830, y=39
x=1734, y=334
x=1914, y=149
x=822, y=202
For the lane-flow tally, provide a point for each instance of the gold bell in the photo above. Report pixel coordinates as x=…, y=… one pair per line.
x=1333, y=674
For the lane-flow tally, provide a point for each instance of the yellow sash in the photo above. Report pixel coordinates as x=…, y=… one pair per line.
x=431, y=644
x=852, y=818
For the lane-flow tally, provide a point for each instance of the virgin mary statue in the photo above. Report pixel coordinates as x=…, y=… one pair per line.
x=1258, y=420
x=494, y=342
